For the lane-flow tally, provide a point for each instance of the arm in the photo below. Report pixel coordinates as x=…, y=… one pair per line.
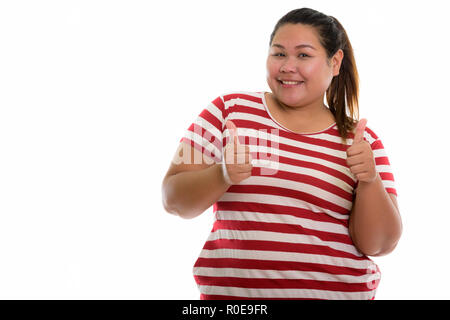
x=189, y=189
x=375, y=224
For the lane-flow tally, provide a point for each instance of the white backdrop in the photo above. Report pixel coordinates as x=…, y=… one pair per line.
x=95, y=95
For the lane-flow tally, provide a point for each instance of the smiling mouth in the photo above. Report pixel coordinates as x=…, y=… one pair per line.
x=290, y=83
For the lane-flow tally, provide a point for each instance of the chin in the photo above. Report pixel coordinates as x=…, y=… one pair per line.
x=289, y=100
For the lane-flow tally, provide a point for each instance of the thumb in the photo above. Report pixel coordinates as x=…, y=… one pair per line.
x=233, y=131
x=359, y=132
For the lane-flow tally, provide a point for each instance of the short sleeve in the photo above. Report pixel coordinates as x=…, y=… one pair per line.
x=382, y=163
x=206, y=132
x=383, y=166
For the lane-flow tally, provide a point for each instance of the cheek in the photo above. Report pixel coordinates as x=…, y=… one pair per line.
x=318, y=74
x=272, y=69
x=312, y=71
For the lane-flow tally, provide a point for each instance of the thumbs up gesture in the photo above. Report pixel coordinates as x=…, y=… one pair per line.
x=237, y=161
x=360, y=157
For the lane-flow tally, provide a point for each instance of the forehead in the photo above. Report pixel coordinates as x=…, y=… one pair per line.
x=290, y=35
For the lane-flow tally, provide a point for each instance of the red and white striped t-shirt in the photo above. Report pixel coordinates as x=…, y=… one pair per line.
x=283, y=232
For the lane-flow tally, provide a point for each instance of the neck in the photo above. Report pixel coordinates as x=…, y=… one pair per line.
x=304, y=112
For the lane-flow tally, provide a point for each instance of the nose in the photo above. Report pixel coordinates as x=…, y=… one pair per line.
x=288, y=66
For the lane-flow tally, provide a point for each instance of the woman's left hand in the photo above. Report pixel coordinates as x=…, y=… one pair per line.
x=360, y=157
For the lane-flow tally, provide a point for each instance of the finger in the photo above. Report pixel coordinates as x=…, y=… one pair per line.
x=359, y=132
x=354, y=150
x=242, y=153
x=364, y=176
x=233, y=131
x=240, y=148
x=229, y=153
x=245, y=175
x=358, y=168
x=240, y=158
x=360, y=149
x=244, y=168
x=352, y=161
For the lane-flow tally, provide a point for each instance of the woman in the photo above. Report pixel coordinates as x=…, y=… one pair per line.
x=302, y=193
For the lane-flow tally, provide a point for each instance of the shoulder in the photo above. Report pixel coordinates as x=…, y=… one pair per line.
x=372, y=137
x=233, y=97
x=225, y=100
x=238, y=101
x=369, y=134
x=234, y=101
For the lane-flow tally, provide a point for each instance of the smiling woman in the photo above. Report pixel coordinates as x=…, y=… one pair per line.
x=299, y=225
x=298, y=73
x=309, y=48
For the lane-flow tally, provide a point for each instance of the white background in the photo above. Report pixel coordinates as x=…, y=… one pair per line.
x=95, y=96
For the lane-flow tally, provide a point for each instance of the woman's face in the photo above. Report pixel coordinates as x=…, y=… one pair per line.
x=297, y=70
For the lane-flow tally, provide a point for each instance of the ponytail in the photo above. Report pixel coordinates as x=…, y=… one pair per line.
x=342, y=94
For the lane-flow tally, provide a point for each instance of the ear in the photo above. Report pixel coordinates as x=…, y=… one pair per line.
x=337, y=61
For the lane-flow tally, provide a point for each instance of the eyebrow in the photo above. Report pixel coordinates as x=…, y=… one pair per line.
x=296, y=47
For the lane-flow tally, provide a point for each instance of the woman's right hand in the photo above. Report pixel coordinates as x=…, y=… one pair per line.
x=237, y=158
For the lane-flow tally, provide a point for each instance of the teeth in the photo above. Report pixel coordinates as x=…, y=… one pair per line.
x=291, y=82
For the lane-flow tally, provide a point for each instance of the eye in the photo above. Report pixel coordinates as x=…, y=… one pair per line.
x=278, y=54
x=303, y=55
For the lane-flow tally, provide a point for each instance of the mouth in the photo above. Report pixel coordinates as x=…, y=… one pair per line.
x=290, y=83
